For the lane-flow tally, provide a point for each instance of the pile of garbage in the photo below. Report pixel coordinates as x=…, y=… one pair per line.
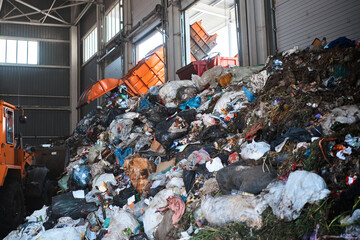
x=241, y=152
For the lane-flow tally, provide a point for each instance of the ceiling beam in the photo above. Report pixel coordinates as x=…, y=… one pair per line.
x=86, y=8
x=40, y=11
x=19, y=10
x=47, y=14
x=212, y=10
x=37, y=12
x=36, y=23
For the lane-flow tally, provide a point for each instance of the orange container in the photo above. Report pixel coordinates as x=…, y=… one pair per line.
x=148, y=72
x=201, y=42
x=224, y=61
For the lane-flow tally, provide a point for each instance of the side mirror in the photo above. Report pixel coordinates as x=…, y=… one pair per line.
x=22, y=119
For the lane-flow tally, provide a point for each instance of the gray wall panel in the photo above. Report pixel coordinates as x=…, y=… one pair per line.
x=52, y=53
x=30, y=80
x=18, y=30
x=45, y=123
x=36, y=101
x=142, y=8
x=88, y=76
x=88, y=21
x=298, y=23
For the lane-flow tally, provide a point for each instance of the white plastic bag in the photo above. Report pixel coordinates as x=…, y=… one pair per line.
x=104, y=178
x=65, y=233
x=214, y=165
x=346, y=114
x=254, y=150
x=38, y=215
x=168, y=90
x=152, y=218
x=287, y=200
x=120, y=220
x=233, y=208
x=258, y=81
x=208, y=120
x=175, y=182
x=120, y=128
x=228, y=98
x=208, y=78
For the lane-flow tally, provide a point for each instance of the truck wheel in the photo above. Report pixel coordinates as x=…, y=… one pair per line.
x=12, y=207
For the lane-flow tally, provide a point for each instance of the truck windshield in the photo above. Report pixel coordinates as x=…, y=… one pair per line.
x=9, y=127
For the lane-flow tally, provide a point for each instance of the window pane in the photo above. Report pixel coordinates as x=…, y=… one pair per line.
x=96, y=43
x=2, y=50
x=90, y=45
x=9, y=127
x=11, y=51
x=22, y=52
x=107, y=28
x=117, y=19
x=32, y=52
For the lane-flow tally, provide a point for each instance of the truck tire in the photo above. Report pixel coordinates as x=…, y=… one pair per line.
x=12, y=207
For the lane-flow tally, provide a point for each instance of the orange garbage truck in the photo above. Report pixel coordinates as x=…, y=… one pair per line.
x=20, y=176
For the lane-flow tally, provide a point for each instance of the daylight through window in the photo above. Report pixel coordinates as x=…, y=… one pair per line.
x=90, y=45
x=18, y=51
x=114, y=21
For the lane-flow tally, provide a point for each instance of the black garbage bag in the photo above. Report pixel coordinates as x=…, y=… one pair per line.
x=111, y=115
x=154, y=191
x=212, y=133
x=187, y=151
x=65, y=205
x=295, y=134
x=140, y=236
x=156, y=114
x=346, y=200
x=240, y=178
x=189, y=179
x=167, y=138
x=238, y=124
x=121, y=199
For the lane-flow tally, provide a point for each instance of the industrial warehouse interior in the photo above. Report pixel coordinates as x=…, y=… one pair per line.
x=179, y=119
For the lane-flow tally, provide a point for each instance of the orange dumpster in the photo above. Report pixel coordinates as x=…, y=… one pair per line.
x=148, y=72
x=200, y=41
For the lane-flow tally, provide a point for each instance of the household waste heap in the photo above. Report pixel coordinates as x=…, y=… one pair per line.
x=257, y=152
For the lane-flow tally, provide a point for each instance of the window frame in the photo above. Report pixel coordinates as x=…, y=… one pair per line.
x=17, y=51
x=108, y=21
x=87, y=40
x=9, y=134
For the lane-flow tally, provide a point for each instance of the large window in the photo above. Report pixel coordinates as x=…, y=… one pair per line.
x=114, y=21
x=148, y=44
x=90, y=45
x=18, y=51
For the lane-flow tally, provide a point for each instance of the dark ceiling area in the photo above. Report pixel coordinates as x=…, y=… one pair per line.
x=44, y=12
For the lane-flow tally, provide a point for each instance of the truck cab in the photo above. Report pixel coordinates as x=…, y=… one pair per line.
x=12, y=157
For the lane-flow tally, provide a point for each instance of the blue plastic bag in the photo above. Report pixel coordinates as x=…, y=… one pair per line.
x=249, y=94
x=191, y=103
x=121, y=154
x=82, y=176
x=145, y=104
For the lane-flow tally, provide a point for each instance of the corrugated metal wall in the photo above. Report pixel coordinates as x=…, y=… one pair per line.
x=142, y=8
x=298, y=23
x=88, y=75
x=88, y=72
x=42, y=91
